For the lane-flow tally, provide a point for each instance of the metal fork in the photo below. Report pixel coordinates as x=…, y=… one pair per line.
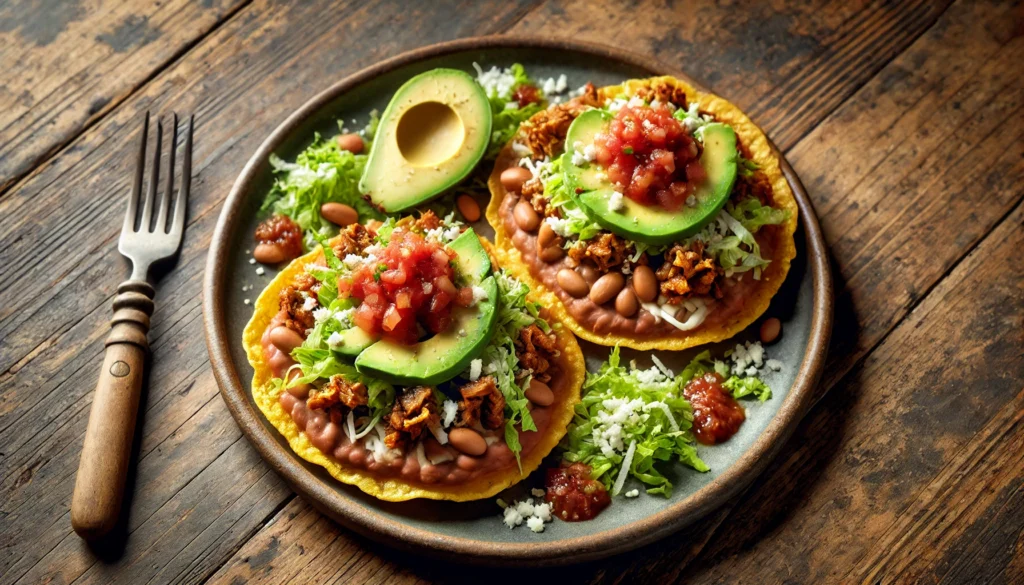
x=103, y=467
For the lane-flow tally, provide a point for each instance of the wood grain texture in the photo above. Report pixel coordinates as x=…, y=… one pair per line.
x=910, y=163
x=68, y=63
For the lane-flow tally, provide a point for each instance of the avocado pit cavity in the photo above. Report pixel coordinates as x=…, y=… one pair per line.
x=430, y=133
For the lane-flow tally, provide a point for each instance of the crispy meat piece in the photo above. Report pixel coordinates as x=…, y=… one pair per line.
x=663, y=92
x=536, y=351
x=428, y=220
x=545, y=132
x=481, y=401
x=292, y=300
x=533, y=193
x=338, y=391
x=353, y=239
x=604, y=252
x=756, y=185
x=688, y=272
x=414, y=410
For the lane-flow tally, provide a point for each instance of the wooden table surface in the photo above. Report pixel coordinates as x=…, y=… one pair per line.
x=904, y=119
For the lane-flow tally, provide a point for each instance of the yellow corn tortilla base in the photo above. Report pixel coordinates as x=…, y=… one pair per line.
x=772, y=277
x=566, y=387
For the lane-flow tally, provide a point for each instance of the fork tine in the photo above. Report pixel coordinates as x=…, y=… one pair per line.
x=133, y=198
x=154, y=179
x=181, y=203
x=165, y=200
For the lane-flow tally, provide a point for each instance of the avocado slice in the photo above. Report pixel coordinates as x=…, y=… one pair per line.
x=434, y=131
x=473, y=261
x=447, y=354
x=443, y=356
x=651, y=224
x=354, y=341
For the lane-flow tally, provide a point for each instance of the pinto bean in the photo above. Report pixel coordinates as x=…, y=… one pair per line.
x=607, y=287
x=626, y=303
x=269, y=254
x=645, y=285
x=285, y=339
x=540, y=393
x=572, y=283
x=512, y=178
x=351, y=142
x=589, y=273
x=550, y=254
x=299, y=390
x=546, y=236
x=525, y=216
x=467, y=441
x=468, y=207
x=339, y=214
x=770, y=330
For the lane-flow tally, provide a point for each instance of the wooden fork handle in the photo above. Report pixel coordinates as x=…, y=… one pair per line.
x=103, y=467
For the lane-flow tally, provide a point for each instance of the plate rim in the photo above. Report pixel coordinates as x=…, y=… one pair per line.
x=374, y=525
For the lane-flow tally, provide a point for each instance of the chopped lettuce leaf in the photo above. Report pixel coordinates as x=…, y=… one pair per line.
x=321, y=173
x=747, y=386
x=560, y=191
x=752, y=214
x=506, y=114
x=623, y=406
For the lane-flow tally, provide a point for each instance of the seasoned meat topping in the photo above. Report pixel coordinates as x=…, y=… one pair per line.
x=536, y=351
x=545, y=132
x=414, y=410
x=481, y=401
x=663, y=92
x=353, y=239
x=533, y=193
x=604, y=252
x=292, y=300
x=428, y=220
x=338, y=391
x=688, y=272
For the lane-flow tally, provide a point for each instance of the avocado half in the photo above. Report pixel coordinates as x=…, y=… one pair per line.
x=651, y=224
x=432, y=134
x=445, y=355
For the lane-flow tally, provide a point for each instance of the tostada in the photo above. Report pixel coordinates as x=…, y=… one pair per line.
x=647, y=214
x=401, y=359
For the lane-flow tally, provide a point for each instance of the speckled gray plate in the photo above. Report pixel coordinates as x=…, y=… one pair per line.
x=473, y=532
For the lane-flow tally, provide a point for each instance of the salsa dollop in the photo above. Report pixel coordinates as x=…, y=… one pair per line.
x=716, y=414
x=408, y=286
x=573, y=495
x=648, y=154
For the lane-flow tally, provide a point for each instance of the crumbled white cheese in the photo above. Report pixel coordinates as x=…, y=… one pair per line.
x=535, y=515
x=751, y=371
x=774, y=365
x=691, y=201
x=344, y=318
x=475, y=367
x=252, y=260
x=535, y=524
x=309, y=304
x=525, y=508
x=553, y=86
x=520, y=149
x=335, y=340
x=559, y=225
x=260, y=271
x=321, y=314
x=616, y=104
x=746, y=355
x=496, y=82
x=512, y=518
x=479, y=294
x=615, y=202
x=632, y=493
x=246, y=301
x=542, y=511
x=451, y=409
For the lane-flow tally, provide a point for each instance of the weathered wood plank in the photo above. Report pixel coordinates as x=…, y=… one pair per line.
x=925, y=432
x=67, y=64
x=786, y=64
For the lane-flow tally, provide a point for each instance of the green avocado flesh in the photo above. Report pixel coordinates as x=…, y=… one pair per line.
x=474, y=263
x=354, y=341
x=447, y=354
x=434, y=131
x=652, y=224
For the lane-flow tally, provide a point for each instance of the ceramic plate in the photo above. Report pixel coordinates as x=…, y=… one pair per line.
x=473, y=531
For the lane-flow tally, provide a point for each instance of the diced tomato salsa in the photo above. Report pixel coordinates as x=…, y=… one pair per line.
x=575, y=497
x=650, y=157
x=526, y=94
x=716, y=414
x=410, y=285
x=280, y=230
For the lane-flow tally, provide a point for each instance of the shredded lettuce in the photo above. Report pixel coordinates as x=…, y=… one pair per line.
x=321, y=173
x=752, y=214
x=560, y=191
x=506, y=115
x=643, y=411
x=499, y=357
x=729, y=237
